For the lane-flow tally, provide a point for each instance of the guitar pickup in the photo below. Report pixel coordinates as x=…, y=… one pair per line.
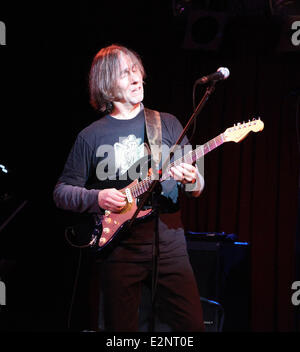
x=128, y=195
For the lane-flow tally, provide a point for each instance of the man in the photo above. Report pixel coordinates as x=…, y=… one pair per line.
x=116, y=89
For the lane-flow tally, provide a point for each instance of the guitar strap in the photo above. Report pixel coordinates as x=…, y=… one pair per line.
x=154, y=134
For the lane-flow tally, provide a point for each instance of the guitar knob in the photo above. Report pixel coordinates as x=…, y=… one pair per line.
x=102, y=241
x=107, y=213
x=108, y=220
x=106, y=230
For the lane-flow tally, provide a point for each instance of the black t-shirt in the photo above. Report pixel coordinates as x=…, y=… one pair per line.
x=101, y=157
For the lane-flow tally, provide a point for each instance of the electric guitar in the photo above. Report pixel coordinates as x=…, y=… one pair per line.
x=106, y=231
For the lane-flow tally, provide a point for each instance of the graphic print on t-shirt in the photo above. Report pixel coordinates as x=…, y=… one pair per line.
x=127, y=151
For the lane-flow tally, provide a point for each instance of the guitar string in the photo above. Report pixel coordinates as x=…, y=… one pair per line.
x=141, y=187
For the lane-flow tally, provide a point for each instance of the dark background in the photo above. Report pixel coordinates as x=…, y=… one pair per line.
x=252, y=188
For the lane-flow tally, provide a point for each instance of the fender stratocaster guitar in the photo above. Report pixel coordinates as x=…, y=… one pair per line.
x=108, y=230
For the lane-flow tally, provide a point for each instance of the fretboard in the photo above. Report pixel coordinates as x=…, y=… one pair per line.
x=190, y=158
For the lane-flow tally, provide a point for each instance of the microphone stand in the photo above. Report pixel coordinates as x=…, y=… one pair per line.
x=209, y=90
x=155, y=253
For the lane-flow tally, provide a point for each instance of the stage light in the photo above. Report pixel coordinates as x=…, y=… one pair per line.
x=3, y=169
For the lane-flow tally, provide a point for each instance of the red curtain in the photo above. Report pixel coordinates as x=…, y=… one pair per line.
x=252, y=187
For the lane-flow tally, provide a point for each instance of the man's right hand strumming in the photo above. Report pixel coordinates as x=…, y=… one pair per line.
x=111, y=199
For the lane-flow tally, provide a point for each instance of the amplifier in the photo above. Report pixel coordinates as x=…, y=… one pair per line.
x=222, y=269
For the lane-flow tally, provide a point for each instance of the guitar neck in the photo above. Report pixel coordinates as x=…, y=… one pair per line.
x=190, y=158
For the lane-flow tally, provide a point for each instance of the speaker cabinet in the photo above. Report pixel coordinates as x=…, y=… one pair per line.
x=222, y=270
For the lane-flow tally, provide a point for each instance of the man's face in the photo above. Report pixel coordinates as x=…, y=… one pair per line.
x=129, y=85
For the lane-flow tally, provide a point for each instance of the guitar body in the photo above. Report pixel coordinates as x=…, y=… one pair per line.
x=101, y=235
x=113, y=224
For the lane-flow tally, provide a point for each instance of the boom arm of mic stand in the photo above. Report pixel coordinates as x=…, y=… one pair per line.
x=209, y=90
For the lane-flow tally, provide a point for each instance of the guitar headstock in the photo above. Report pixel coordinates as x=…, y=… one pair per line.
x=239, y=131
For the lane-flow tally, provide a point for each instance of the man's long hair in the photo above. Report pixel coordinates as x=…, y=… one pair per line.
x=104, y=72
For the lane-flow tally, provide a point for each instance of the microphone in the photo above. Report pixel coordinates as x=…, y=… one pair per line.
x=222, y=73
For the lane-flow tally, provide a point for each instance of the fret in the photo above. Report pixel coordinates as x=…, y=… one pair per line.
x=188, y=158
x=219, y=139
x=135, y=191
x=142, y=187
x=145, y=186
x=199, y=152
x=206, y=148
x=212, y=144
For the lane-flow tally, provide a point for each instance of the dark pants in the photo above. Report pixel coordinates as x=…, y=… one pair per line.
x=178, y=300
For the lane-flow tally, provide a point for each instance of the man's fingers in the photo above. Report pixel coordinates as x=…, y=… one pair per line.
x=188, y=167
x=184, y=173
x=116, y=202
x=117, y=194
x=111, y=199
x=177, y=173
